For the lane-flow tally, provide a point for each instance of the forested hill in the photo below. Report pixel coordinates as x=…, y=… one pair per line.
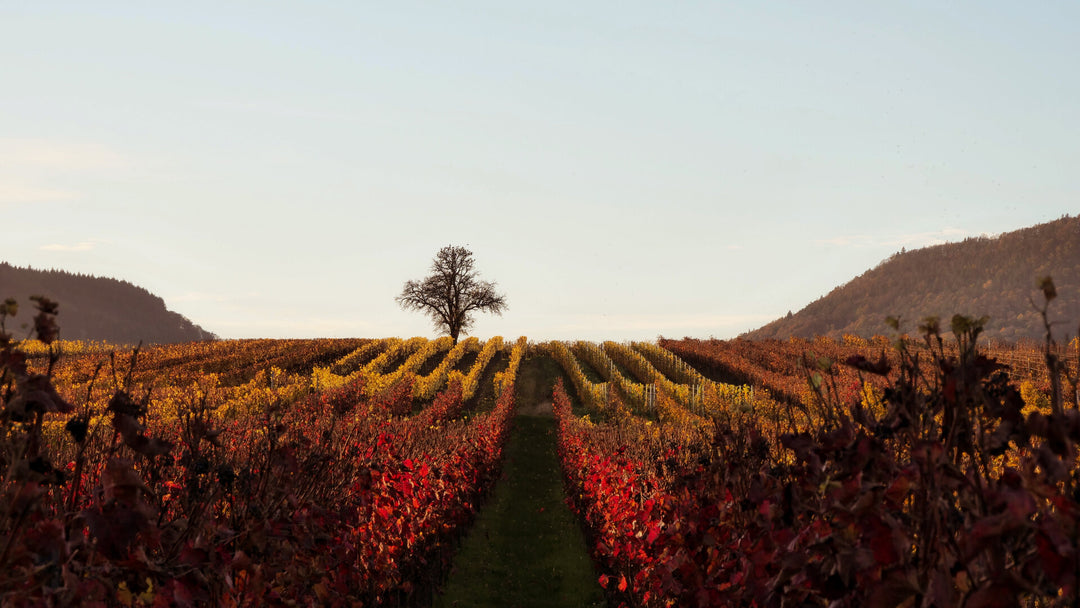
x=95, y=308
x=996, y=277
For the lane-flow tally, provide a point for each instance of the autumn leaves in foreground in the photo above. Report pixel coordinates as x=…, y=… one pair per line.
x=705, y=473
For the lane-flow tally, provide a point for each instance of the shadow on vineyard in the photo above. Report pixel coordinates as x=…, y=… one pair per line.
x=924, y=472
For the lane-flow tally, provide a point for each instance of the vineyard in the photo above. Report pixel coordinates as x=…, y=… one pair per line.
x=926, y=471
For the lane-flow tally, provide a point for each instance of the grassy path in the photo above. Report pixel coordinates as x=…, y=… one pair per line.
x=526, y=549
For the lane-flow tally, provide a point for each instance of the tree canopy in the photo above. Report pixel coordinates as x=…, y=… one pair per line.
x=980, y=276
x=98, y=308
x=452, y=292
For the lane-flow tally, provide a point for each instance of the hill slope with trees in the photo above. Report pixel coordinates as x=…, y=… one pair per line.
x=96, y=308
x=982, y=276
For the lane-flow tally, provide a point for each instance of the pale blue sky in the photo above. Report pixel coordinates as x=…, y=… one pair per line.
x=620, y=169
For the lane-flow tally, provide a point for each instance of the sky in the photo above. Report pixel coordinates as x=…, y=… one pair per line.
x=621, y=170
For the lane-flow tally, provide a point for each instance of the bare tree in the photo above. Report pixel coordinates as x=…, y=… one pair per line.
x=452, y=292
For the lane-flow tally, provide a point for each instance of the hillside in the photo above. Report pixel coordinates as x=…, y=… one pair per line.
x=980, y=276
x=96, y=308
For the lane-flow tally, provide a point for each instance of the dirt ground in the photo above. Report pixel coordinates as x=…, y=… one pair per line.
x=541, y=408
x=536, y=376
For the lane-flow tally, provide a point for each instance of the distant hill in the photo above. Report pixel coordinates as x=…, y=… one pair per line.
x=96, y=308
x=995, y=277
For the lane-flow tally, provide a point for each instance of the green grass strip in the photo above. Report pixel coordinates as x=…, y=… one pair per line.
x=526, y=549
